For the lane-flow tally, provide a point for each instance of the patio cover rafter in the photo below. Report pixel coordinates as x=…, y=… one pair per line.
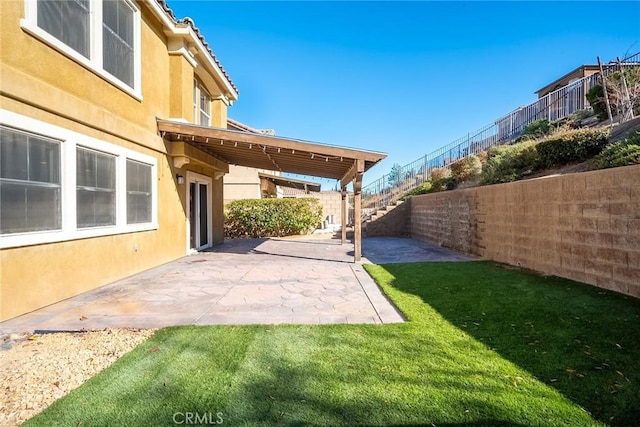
x=281, y=154
x=271, y=152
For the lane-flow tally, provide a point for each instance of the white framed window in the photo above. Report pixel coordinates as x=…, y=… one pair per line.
x=101, y=35
x=117, y=39
x=55, y=17
x=30, y=191
x=58, y=185
x=201, y=105
x=95, y=188
x=139, y=192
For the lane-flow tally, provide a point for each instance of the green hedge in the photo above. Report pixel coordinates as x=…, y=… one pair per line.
x=568, y=146
x=272, y=217
x=506, y=163
x=623, y=153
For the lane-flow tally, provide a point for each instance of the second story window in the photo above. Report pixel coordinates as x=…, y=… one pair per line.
x=201, y=105
x=117, y=39
x=102, y=35
x=68, y=21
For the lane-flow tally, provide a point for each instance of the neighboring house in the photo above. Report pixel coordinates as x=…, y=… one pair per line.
x=572, y=76
x=250, y=183
x=556, y=100
x=113, y=145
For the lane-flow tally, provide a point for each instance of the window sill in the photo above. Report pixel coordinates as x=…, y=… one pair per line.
x=44, y=237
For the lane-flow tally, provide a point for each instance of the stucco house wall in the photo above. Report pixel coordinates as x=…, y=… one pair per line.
x=47, y=92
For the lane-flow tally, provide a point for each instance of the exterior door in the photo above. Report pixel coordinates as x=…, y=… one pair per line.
x=199, y=199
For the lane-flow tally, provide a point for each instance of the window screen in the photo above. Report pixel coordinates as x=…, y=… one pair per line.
x=138, y=192
x=95, y=188
x=68, y=21
x=117, y=33
x=30, y=194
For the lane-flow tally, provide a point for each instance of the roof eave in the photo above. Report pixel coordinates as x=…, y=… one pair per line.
x=185, y=30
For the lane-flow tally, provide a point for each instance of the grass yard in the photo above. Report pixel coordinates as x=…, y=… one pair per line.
x=484, y=345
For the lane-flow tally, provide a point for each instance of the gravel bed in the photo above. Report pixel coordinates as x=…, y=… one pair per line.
x=37, y=369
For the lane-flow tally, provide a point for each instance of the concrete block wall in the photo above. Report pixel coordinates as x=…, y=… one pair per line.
x=583, y=226
x=330, y=202
x=394, y=223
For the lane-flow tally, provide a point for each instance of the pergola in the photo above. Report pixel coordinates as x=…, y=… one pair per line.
x=260, y=151
x=285, y=181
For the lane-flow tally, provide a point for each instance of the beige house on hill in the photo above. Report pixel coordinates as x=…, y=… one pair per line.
x=114, y=145
x=572, y=76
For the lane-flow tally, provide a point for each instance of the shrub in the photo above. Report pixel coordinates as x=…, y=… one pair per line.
x=439, y=173
x=441, y=179
x=482, y=156
x=581, y=114
x=423, y=189
x=595, y=96
x=571, y=145
x=271, y=217
x=508, y=163
x=623, y=153
x=443, y=183
x=538, y=128
x=466, y=168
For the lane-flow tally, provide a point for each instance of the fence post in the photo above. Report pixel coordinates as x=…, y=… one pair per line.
x=606, y=96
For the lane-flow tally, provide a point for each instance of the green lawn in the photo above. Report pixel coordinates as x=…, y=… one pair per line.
x=484, y=346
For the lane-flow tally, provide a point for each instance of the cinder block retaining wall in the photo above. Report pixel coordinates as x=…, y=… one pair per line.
x=583, y=226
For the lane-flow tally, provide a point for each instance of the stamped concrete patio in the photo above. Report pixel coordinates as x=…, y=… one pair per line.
x=253, y=281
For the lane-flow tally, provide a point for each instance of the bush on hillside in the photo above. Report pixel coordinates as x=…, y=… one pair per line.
x=595, y=96
x=571, y=145
x=538, y=128
x=506, y=163
x=438, y=174
x=423, y=189
x=271, y=217
x=623, y=153
x=441, y=180
x=466, y=168
x=482, y=156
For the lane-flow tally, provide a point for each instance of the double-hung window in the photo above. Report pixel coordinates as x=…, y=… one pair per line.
x=95, y=188
x=30, y=191
x=102, y=35
x=117, y=39
x=58, y=185
x=55, y=17
x=138, y=192
x=201, y=105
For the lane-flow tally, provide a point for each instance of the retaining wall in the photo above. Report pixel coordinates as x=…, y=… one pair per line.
x=583, y=226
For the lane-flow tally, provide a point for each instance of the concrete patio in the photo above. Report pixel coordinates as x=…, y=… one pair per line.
x=252, y=281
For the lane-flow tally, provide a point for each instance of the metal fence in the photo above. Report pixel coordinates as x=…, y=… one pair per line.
x=554, y=106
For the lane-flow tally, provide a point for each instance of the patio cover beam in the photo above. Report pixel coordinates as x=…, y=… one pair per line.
x=282, y=154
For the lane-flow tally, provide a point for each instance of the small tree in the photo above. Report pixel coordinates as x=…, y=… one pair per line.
x=395, y=175
x=623, y=90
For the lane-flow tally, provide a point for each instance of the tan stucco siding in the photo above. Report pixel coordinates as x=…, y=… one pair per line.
x=39, y=275
x=32, y=70
x=181, y=73
x=218, y=113
x=41, y=83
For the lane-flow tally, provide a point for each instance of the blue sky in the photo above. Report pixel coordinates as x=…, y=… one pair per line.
x=404, y=78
